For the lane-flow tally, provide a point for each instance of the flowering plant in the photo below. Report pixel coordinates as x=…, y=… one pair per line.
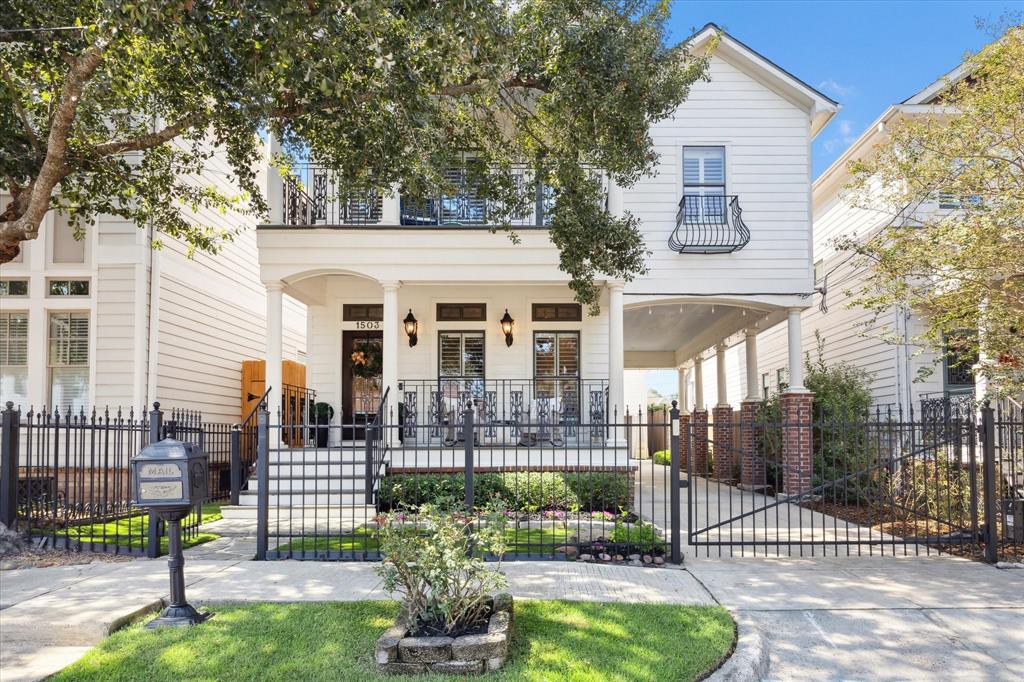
x=367, y=359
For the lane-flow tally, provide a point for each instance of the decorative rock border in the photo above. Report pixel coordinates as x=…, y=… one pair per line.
x=398, y=652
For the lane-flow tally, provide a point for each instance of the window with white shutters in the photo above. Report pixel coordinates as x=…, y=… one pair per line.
x=14, y=358
x=69, y=360
x=704, y=184
x=461, y=362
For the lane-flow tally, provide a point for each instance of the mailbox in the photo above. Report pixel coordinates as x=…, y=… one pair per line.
x=170, y=474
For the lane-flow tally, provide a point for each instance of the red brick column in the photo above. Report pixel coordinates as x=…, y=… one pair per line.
x=725, y=441
x=797, y=442
x=684, y=441
x=699, y=419
x=752, y=474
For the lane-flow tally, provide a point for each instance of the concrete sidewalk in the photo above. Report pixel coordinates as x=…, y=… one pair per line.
x=849, y=618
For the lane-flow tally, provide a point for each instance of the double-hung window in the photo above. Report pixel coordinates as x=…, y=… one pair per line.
x=14, y=358
x=69, y=360
x=704, y=185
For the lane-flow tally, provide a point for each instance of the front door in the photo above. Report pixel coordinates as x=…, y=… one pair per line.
x=361, y=379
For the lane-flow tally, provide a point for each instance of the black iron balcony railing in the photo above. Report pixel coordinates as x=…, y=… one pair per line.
x=709, y=224
x=313, y=196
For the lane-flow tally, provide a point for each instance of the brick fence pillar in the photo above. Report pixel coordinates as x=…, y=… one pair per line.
x=725, y=441
x=797, y=442
x=752, y=473
x=699, y=419
x=684, y=441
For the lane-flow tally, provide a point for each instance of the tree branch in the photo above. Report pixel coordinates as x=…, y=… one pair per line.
x=154, y=139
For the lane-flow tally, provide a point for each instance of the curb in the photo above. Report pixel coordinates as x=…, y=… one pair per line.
x=129, y=618
x=749, y=662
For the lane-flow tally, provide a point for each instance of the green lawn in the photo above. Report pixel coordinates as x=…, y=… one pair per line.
x=131, y=531
x=533, y=540
x=553, y=640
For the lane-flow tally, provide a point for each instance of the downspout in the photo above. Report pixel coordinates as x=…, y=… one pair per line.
x=154, y=319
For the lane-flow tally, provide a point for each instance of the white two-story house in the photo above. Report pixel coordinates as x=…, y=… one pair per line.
x=446, y=310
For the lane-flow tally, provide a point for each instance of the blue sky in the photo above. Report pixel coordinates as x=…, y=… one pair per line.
x=864, y=54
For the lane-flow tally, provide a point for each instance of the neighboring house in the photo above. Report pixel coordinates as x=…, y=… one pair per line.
x=107, y=321
x=726, y=215
x=901, y=372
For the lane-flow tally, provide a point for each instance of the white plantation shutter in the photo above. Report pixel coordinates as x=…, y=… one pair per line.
x=14, y=358
x=69, y=360
x=704, y=179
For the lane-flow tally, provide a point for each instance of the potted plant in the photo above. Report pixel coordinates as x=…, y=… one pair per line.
x=323, y=413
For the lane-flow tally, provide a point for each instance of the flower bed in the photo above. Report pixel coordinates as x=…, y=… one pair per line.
x=405, y=648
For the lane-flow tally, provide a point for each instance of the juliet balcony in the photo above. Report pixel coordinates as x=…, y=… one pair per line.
x=709, y=224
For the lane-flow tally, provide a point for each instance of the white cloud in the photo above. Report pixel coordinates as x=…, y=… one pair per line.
x=833, y=86
x=844, y=137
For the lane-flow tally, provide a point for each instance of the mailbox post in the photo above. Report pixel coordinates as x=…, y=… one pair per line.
x=170, y=477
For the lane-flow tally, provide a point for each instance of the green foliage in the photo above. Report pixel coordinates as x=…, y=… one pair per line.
x=961, y=269
x=123, y=111
x=641, y=535
x=938, y=490
x=433, y=562
x=523, y=491
x=663, y=457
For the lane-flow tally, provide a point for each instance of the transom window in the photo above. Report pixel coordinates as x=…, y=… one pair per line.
x=13, y=287
x=461, y=312
x=557, y=312
x=14, y=357
x=362, y=312
x=69, y=360
x=704, y=184
x=460, y=363
x=68, y=287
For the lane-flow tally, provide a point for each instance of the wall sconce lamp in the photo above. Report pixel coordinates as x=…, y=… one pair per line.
x=412, y=328
x=506, y=327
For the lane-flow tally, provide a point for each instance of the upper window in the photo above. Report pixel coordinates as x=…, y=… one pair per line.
x=66, y=248
x=69, y=360
x=703, y=184
x=13, y=287
x=68, y=287
x=14, y=357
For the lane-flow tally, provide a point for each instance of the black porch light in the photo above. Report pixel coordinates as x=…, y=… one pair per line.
x=506, y=327
x=412, y=328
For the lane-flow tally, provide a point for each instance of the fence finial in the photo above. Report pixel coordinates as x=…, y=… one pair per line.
x=675, y=404
x=156, y=405
x=10, y=404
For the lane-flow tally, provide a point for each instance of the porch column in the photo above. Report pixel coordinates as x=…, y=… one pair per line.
x=796, y=360
x=391, y=211
x=390, y=350
x=798, y=430
x=616, y=354
x=750, y=346
x=274, y=186
x=683, y=404
x=721, y=382
x=752, y=469
x=274, y=353
x=699, y=422
x=722, y=419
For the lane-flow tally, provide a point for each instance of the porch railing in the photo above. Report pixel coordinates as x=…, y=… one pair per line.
x=376, y=447
x=709, y=224
x=553, y=408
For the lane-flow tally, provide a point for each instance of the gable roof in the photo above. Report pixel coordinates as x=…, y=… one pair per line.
x=820, y=106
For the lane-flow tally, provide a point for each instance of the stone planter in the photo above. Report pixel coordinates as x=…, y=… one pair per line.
x=398, y=652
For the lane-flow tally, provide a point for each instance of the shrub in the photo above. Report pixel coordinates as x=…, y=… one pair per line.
x=522, y=491
x=663, y=457
x=434, y=563
x=937, y=490
x=642, y=536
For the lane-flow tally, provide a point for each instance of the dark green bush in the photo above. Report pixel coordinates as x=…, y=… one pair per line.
x=524, y=491
x=663, y=457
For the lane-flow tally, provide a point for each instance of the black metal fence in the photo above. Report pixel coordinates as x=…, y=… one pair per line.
x=563, y=495
x=67, y=478
x=840, y=485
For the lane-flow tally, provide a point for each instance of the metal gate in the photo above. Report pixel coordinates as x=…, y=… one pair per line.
x=839, y=485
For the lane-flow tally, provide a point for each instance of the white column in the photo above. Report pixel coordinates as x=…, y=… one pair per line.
x=391, y=329
x=391, y=211
x=750, y=345
x=273, y=187
x=274, y=352
x=698, y=384
x=683, y=409
x=615, y=199
x=616, y=353
x=721, y=380
x=796, y=360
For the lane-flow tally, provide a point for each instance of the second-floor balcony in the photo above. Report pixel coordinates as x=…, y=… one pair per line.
x=315, y=196
x=709, y=223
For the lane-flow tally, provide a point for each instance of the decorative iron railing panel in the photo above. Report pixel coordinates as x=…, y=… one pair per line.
x=315, y=195
x=709, y=224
